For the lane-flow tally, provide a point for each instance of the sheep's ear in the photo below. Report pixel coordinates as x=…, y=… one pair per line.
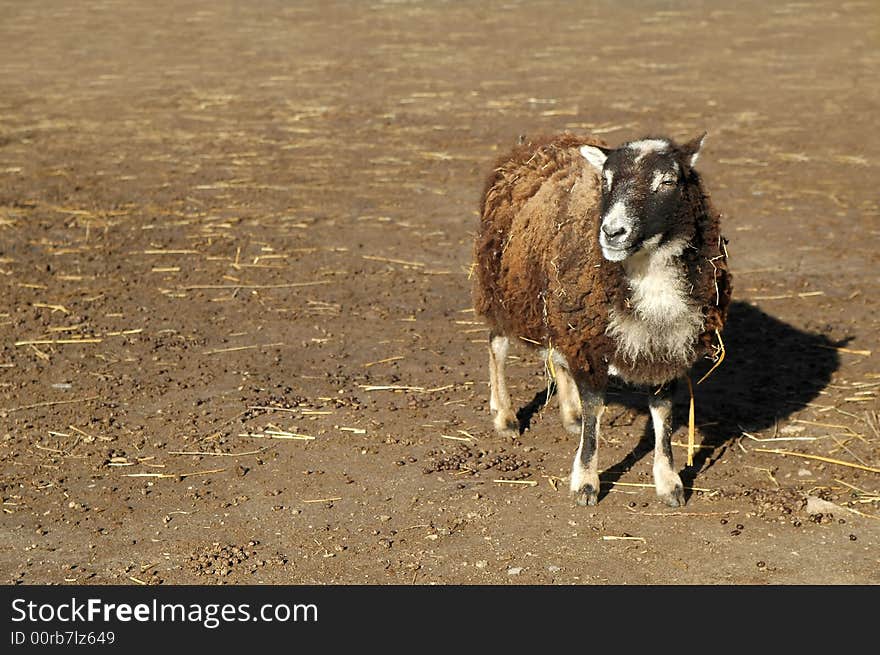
x=595, y=155
x=692, y=148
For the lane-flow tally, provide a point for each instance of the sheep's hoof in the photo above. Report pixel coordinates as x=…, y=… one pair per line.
x=506, y=424
x=586, y=496
x=674, y=498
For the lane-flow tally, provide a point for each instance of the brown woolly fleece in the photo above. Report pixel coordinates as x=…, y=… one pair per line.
x=540, y=274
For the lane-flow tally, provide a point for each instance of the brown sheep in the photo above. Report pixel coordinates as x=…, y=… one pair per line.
x=611, y=261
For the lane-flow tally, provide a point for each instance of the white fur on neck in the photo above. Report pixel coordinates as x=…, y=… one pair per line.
x=664, y=323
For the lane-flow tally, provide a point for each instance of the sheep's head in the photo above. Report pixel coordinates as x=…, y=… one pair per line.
x=642, y=184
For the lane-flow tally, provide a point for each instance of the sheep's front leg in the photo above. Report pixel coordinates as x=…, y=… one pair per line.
x=666, y=480
x=505, y=420
x=569, y=400
x=584, y=482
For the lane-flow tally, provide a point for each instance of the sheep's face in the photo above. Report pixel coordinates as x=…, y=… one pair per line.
x=641, y=187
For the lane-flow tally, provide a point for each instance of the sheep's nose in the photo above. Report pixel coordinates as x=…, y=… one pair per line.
x=613, y=233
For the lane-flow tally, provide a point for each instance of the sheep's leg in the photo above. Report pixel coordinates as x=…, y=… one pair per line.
x=666, y=480
x=584, y=482
x=505, y=420
x=569, y=400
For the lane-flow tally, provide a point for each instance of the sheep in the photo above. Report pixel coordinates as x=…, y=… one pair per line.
x=612, y=263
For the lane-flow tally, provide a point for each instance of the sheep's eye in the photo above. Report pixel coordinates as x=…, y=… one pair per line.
x=664, y=180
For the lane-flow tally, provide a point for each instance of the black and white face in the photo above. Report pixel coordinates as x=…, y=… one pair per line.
x=641, y=187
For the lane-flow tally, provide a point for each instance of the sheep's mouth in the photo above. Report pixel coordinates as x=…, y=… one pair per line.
x=619, y=252
x=616, y=254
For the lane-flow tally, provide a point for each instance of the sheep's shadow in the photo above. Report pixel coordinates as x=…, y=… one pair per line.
x=771, y=370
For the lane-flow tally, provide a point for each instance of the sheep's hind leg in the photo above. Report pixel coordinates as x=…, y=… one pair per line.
x=666, y=480
x=569, y=399
x=505, y=420
x=584, y=482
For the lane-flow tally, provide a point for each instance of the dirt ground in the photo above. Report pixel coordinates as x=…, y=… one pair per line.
x=245, y=233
